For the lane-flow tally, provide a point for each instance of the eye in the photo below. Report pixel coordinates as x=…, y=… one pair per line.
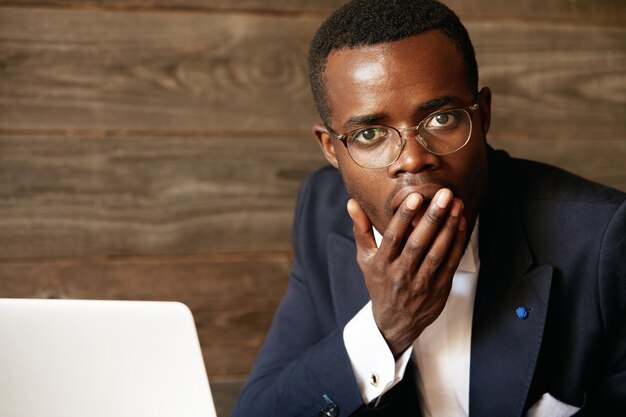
x=443, y=120
x=369, y=135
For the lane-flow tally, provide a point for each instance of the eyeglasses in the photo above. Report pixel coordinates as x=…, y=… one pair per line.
x=441, y=133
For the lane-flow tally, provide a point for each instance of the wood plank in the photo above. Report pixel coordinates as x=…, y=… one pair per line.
x=86, y=196
x=225, y=394
x=548, y=84
x=586, y=12
x=185, y=72
x=85, y=69
x=605, y=12
x=90, y=196
x=233, y=298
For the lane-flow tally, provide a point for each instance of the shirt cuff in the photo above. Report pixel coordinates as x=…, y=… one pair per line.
x=372, y=362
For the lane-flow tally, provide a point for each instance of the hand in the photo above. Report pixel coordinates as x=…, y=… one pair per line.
x=409, y=276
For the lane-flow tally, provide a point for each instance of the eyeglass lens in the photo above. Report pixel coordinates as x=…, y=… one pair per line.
x=441, y=133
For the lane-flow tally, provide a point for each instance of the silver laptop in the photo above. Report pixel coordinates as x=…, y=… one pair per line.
x=86, y=358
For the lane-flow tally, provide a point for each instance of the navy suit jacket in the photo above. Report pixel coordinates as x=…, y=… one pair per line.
x=549, y=241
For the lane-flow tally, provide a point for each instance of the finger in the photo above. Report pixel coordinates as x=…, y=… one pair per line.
x=362, y=226
x=422, y=235
x=448, y=269
x=446, y=274
x=399, y=226
x=442, y=243
x=440, y=285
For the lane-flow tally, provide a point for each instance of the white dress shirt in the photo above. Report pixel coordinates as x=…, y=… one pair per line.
x=441, y=352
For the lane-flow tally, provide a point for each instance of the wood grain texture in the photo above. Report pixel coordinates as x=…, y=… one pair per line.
x=86, y=196
x=143, y=196
x=179, y=72
x=233, y=298
x=563, y=84
x=90, y=69
x=583, y=11
x=225, y=394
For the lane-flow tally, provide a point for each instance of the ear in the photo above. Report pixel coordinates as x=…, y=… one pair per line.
x=484, y=102
x=327, y=144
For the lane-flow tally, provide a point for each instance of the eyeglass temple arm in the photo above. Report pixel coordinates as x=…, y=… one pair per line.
x=341, y=138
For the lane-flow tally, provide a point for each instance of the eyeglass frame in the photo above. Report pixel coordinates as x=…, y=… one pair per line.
x=469, y=109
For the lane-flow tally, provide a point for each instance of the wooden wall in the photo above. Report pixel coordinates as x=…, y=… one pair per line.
x=152, y=149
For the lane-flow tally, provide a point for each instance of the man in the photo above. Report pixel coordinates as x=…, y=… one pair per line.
x=432, y=275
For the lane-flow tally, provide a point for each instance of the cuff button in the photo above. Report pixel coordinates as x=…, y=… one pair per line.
x=374, y=379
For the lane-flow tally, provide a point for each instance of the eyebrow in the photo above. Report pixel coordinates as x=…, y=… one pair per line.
x=377, y=118
x=364, y=120
x=438, y=102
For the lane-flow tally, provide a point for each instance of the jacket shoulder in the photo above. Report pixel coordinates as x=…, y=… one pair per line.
x=320, y=210
x=535, y=180
x=322, y=195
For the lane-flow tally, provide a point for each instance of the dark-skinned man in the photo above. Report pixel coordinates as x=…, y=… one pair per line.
x=433, y=275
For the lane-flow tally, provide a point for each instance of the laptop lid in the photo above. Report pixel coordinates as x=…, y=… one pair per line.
x=78, y=358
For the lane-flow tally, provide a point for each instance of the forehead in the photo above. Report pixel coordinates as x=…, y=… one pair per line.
x=394, y=77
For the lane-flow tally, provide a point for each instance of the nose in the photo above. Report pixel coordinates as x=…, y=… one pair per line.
x=414, y=158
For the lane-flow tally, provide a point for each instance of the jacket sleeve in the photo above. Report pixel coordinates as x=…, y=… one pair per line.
x=303, y=364
x=608, y=396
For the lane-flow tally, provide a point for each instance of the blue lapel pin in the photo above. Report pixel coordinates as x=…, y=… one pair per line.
x=522, y=312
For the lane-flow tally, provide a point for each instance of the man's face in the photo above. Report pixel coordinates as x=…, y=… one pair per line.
x=398, y=84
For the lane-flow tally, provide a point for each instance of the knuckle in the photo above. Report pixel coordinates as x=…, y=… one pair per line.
x=450, y=226
x=434, y=216
x=434, y=259
x=399, y=286
x=363, y=257
x=421, y=286
x=391, y=236
x=405, y=215
x=413, y=246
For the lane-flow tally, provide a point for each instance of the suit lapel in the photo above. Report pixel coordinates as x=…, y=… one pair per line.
x=510, y=307
x=505, y=346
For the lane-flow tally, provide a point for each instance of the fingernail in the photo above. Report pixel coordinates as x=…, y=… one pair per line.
x=412, y=201
x=457, y=206
x=350, y=207
x=443, y=199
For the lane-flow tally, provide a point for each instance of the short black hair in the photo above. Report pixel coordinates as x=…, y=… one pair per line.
x=371, y=22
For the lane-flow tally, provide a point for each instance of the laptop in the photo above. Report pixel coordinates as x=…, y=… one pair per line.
x=79, y=358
